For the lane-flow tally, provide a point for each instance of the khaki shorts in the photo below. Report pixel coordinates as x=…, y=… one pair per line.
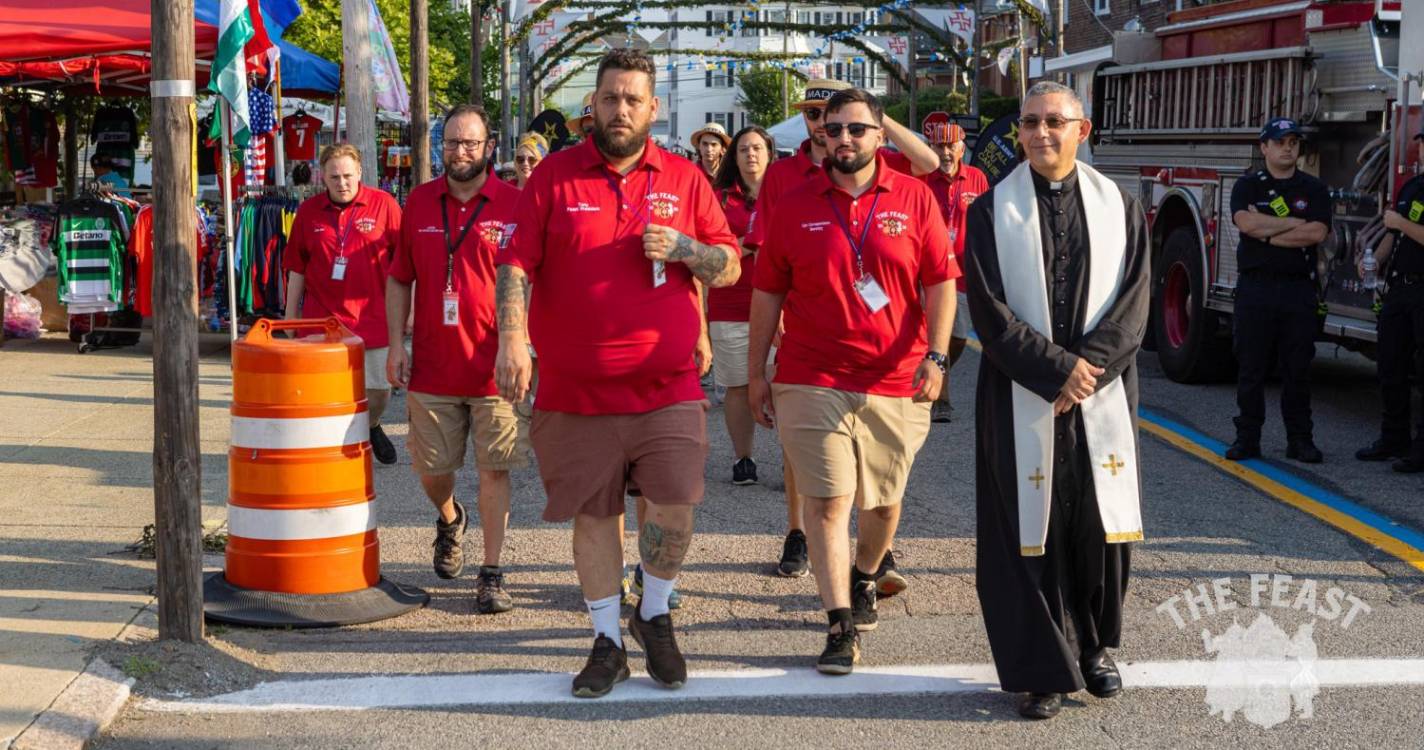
x=840, y=443
x=439, y=426
x=586, y=461
x=376, y=369
x=729, y=352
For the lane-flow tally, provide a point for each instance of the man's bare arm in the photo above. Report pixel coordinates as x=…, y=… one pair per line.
x=923, y=159
x=1304, y=235
x=510, y=300
x=713, y=265
x=1264, y=226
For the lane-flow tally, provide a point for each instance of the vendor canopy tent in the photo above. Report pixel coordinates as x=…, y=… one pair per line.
x=61, y=29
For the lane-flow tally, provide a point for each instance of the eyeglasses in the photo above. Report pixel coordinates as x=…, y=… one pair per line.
x=465, y=145
x=856, y=129
x=812, y=113
x=526, y=160
x=1052, y=122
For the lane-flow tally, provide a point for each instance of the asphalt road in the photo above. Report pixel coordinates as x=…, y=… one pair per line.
x=1201, y=525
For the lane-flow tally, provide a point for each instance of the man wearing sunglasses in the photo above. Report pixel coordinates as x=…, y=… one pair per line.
x=1060, y=311
x=914, y=158
x=862, y=356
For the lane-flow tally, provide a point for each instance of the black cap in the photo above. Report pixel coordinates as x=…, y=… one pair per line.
x=1279, y=128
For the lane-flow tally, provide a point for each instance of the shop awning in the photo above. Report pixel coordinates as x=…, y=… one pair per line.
x=63, y=29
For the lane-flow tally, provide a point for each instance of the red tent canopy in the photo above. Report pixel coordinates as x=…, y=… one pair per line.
x=63, y=29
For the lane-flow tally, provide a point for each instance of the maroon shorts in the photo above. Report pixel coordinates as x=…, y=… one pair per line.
x=586, y=461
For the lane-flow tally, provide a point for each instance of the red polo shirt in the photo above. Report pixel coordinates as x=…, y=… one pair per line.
x=954, y=194
x=832, y=338
x=366, y=232
x=788, y=173
x=734, y=303
x=609, y=341
x=454, y=360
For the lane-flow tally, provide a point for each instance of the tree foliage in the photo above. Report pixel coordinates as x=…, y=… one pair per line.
x=761, y=96
x=318, y=30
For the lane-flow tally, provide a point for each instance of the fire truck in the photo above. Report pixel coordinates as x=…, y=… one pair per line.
x=1180, y=130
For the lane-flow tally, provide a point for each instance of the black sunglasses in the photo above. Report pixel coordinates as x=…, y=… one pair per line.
x=812, y=113
x=856, y=129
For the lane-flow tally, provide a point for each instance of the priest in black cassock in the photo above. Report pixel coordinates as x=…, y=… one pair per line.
x=1057, y=280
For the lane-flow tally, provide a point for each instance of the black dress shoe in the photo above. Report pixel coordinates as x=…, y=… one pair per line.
x=1242, y=450
x=1410, y=464
x=1382, y=450
x=1040, y=705
x=1100, y=675
x=1304, y=451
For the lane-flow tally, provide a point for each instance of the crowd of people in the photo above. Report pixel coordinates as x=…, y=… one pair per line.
x=567, y=319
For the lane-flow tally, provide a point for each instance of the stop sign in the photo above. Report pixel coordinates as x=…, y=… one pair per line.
x=935, y=123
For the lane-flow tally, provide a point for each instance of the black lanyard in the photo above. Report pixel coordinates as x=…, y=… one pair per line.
x=864, y=232
x=954, y=192
x=451, y=247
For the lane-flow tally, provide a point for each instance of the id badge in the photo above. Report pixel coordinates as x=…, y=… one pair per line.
x=871, y=293
x=452, y=309
x=659, y=273
x=338, y=269
x=953, y=235
x=1416, y=211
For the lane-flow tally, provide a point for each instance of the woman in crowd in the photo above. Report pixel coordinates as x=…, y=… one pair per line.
x=531, y=150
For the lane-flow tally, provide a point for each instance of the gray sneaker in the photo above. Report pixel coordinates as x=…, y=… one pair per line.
x=490, y=596
x=449, y=544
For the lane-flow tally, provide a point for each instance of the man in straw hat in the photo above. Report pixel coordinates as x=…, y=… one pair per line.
x=711, y=143
x=582, y=126
x=914, y=158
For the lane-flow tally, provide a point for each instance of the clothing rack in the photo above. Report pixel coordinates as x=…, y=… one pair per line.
x=89, y=342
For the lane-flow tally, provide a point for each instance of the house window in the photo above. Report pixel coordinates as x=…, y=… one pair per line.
x=718, y=78
x=839, y=72
x=857, y=75
x=1102, y=7
x=803, y=16
x=750, y=17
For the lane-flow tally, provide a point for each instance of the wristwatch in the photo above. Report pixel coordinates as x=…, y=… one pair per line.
x=940, y=360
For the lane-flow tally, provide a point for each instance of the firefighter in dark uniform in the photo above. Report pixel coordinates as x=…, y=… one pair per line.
x=1401, y=327
x=1282, y=214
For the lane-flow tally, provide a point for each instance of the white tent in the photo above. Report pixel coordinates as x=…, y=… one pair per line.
x=789, y=133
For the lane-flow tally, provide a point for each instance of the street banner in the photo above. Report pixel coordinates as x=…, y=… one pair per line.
x=897, y=48
x=996, y=150
x=391, y=93
x=957, y=21
x=229, y=72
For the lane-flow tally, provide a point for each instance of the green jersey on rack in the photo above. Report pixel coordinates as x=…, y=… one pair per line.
x=89, y=245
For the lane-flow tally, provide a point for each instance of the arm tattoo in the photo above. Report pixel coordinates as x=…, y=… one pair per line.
x=709, y=263
x=661, y=547
x=510, y=297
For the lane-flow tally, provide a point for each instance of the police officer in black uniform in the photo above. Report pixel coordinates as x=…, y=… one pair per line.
x=1282, y=214
x=1401, y=327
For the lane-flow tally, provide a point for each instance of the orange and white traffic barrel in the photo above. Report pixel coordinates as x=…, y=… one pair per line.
x=302, y=545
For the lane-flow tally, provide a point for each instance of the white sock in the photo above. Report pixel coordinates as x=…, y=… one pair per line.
x=655, y=595
x=604, y=613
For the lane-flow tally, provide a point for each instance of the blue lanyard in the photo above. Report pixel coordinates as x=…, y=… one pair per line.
x=864, y=232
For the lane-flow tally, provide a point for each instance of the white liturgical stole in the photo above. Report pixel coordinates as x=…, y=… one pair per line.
x=1107, y=419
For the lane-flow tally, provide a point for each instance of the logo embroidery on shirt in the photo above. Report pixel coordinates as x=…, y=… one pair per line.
x=582, y=207
x=491, y=231
x=1300, y=204
x=892, y=223
x=507, y=235
x=664, y=205
x=815, y=226
x=366, y=224
x=967, y=198
x=429, y=230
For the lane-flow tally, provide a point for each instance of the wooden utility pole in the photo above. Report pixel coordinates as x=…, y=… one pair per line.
x=477, y=86
x=506, y=107
x=420, y=91
x=177, y=482
x=914, y=123
x=360, y=88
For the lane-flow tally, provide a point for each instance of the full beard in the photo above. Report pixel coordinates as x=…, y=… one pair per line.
x=619, y=147
x=467, y=170
x=852, y=164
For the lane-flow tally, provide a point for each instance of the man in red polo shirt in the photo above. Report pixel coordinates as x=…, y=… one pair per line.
x=453, y=227
x=913, y=158
x=611, y=235
x=955, y=185
x=341, y=244
x=861, y=357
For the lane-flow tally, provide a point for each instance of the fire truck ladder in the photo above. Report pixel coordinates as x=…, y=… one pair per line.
x=1207, y=98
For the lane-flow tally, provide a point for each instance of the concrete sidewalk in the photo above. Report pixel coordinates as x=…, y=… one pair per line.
x=76, y=487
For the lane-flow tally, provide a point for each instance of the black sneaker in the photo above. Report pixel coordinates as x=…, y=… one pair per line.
x=490, y=596
x=941, y=412
x=607, y=666
x=1304, y=451
x=795, y=559
x=841, y=654
x=744, y=472
x=888, y=581
x=1382, y=450
x=381, y=446
x=863, y=605
x=665, y=663
x=1242, y=450
x=1410, y=464
x=449, y=544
